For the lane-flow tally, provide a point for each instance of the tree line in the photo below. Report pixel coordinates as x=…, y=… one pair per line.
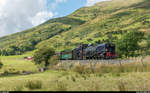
x=128, y=45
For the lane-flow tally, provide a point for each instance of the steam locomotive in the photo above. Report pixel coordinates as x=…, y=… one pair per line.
x=87, y=52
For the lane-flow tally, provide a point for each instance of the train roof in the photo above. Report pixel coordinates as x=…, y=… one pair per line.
x=105, y=44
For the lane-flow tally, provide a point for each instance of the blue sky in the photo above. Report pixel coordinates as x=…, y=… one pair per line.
x=20, y=15
x=66, y=8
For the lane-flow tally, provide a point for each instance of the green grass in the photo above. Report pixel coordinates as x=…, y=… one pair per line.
x=56, y=81
x=72, y=81
x=18, y=63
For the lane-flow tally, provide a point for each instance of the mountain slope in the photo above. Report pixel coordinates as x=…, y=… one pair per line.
x=131, y=16
x=86, y=25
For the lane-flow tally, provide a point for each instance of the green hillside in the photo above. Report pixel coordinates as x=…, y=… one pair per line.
x=103, y=21
x=115, y=18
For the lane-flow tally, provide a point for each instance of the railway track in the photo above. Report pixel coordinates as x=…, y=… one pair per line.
x=67, y=64
x=115, y=61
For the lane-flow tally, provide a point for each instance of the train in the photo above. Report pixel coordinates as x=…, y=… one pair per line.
x=90, y=52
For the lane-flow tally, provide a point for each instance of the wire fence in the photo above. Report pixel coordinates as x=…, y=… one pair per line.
x=114, y=61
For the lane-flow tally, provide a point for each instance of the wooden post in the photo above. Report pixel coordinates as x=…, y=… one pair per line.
x=120, y=62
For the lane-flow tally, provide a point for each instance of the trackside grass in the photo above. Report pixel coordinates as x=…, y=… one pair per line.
x=133, y=77
x=57, y=81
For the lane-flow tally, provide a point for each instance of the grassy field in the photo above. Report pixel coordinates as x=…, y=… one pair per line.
x=70, y=81
x=18, y=63
x=65, y=81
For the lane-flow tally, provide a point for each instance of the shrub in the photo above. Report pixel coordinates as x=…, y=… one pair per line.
x=67, y=78
x=77, y=76
x=102, y=68
x=78, y=68
x=121, y=86
x=61, y=67
x=18, y=88
x=13, y=71
x=83, y=69
x=128, y=44
x=1, y=64
x=60, y=86
x=43, y=55
x=34, y=84
x=116, y=74
x=84, y=77
x=65, y=73
x=6, y=72
x=53, y=61
x=73, y=79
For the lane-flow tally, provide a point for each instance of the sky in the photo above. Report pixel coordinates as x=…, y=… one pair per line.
x=20, y=15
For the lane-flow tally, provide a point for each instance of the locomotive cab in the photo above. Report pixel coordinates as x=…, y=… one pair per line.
x=110, y=51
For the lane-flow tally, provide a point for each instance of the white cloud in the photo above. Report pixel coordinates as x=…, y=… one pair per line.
x=92, y=2
x=41, y=17
x=18, y=15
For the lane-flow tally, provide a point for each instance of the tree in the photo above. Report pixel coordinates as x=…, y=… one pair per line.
x=13, y=50
x=43, y=55
x=1, y=64
x=148, y=43
x=128, y=44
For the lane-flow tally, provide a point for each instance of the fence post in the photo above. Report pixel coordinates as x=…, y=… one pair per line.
x=120, y=63
x=108, y=61
x=142, y=58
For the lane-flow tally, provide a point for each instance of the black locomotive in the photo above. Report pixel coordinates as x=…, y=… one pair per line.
x=87, y=52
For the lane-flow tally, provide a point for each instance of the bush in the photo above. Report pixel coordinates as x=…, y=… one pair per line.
x=73, y=78
x=60, y=86
x=83, y=69
x=34, y=84
x=11, y=72
x=43, y=55
x=129, y=44
x=121, y=86
x=18, y=88
x=53, y=61
x=62, y=66
x=78, y=68
x=1, y=64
